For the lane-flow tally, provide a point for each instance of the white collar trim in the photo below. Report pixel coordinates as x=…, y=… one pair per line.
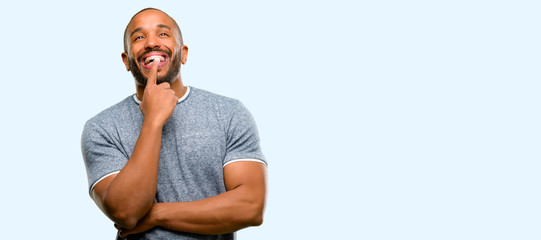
x=179, y=100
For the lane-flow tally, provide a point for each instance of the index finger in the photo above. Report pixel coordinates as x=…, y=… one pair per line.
x=153, y=75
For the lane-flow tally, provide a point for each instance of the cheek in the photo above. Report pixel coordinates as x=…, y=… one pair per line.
x=135, y=50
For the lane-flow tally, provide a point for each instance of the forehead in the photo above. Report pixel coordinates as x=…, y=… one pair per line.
x=150, y=19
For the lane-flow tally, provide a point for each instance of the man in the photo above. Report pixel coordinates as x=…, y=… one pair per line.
x=173, y=161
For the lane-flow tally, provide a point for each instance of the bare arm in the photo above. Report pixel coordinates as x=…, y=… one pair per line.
x=241, y=206
x=127, y=196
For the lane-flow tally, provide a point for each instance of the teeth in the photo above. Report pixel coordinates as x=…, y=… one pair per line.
x=153, y=58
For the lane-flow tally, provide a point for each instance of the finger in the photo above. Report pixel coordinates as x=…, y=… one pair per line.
x=123, y=233
x=172, y=92
x=153, y=75
x=119, y=236
x=165, y=85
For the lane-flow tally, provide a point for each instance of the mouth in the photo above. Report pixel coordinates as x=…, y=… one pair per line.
x=148, y=59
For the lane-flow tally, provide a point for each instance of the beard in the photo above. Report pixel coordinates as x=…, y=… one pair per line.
x=169, y=77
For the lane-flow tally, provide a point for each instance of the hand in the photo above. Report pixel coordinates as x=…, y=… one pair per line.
x=158, y=101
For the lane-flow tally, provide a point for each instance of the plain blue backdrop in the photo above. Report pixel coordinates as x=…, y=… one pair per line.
x=379, y=119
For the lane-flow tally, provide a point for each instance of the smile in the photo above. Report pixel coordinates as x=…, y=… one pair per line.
x=148, y=59
x=154, y=58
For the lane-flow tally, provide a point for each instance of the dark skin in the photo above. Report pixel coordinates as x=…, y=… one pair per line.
x=127, y=197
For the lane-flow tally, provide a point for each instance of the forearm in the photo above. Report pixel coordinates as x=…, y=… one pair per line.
x=224, y=213
x=242, y=205
x=130, y=194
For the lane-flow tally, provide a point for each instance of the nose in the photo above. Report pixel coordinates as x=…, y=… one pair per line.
x=152, y=42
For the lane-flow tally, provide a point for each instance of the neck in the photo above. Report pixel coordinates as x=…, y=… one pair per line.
x=176, y=86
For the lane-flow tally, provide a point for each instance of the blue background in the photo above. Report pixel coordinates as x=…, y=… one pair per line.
x=380, y=119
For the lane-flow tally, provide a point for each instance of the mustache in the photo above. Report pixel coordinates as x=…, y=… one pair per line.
x=156, y=49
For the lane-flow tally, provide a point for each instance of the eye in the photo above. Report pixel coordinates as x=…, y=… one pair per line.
x=137, y=38
x=163, y=35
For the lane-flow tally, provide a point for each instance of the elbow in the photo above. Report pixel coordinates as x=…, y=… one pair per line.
x=257, y=221
x=253, y=215
x=124, y=219
x=126, y=216
x=254, y=211
x=256, y=218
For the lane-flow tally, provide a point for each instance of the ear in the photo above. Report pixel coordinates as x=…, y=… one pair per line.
x=183, y=54
x=125, y=60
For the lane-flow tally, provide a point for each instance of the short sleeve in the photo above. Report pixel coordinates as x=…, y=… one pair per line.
x=242, y=137
x=101, y=153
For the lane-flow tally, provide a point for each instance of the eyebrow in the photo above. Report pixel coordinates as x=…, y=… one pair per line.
x=159, y=25
x=164, y=26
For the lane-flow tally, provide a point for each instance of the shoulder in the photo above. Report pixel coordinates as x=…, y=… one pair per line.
x=204, y=99
x=113, y=114
x=232, y=110
x=205, y=96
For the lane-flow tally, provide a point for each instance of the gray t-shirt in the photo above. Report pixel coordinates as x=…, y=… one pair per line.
x=205, y=132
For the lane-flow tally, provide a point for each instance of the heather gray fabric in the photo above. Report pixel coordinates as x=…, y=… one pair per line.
x=204, y=132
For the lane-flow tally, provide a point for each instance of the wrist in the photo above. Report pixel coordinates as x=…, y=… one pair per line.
x=153, y=125
x=156, y=215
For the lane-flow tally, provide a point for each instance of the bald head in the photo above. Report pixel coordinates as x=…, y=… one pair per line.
x=127, y=35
